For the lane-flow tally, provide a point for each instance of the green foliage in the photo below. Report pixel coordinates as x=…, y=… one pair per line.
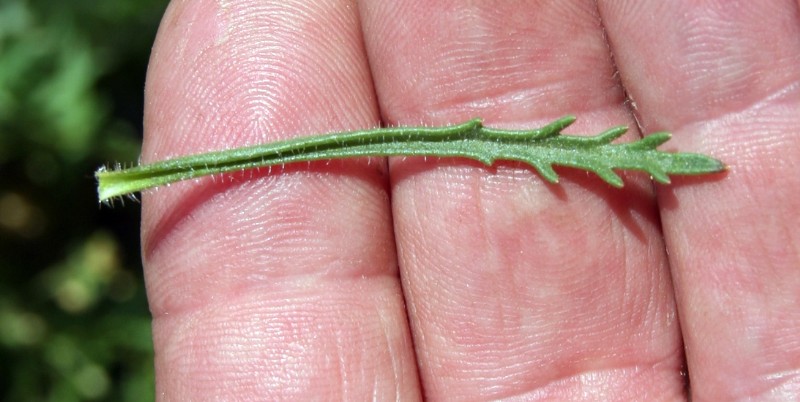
x=74, y=323
x=540, y=148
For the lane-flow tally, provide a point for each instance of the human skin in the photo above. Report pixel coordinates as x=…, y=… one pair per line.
x=448, y=280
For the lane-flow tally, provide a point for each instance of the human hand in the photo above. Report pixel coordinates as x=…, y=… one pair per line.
x=446, y=279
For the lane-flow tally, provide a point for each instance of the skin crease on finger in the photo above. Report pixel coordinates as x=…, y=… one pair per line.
x=269, y=285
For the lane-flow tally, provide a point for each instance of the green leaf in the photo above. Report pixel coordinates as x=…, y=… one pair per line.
x=541, y=148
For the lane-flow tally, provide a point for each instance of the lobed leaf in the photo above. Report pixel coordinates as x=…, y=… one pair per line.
x=540, y=148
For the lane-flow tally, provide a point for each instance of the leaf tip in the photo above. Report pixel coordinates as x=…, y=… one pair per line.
x=653, y=140
x=610, y=177
x=557, y=126
x=547, y=172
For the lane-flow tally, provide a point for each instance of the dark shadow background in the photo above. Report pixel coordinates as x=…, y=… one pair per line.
x=74, y=324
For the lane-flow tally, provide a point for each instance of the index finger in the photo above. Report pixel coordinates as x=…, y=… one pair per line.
x=269, y=286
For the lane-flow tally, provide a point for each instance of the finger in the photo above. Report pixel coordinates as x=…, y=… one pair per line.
x=516, y=287
x=726, y=78
x=269, y=286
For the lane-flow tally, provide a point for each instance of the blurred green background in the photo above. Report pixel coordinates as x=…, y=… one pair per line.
x=74, y=323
